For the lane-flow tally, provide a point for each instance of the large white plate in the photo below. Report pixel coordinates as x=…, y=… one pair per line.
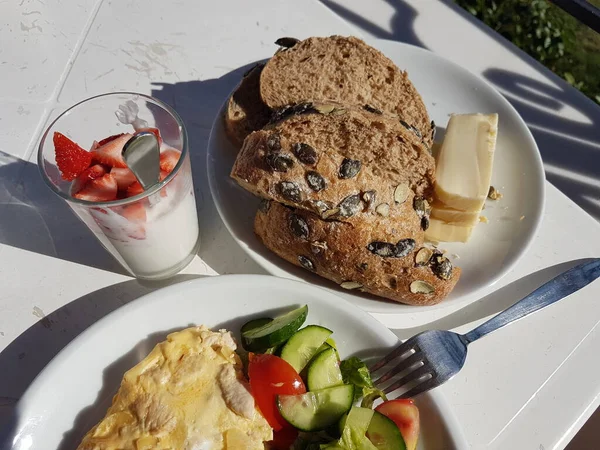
x=75, y=389
x=494, y=247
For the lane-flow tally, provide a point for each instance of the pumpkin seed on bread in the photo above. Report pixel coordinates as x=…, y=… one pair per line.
x=324, y=154
x=372, y=253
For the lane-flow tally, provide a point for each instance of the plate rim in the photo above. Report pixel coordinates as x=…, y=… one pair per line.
x=27, y=400
x=540, y=182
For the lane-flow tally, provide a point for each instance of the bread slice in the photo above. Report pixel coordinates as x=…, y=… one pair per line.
x=347, y=70
x=245, y=111
x=317, y=187
x=359, y=253
x=383, y=152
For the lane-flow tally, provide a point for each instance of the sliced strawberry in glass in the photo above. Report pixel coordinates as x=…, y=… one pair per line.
x=103, y=189
x=70, y=158
x=134, y=189
x=110, y=153
x=89, y=174
x=124, y=177
x=169, y=159
x=109, y=139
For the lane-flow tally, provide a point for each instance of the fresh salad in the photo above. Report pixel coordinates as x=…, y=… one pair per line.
x=312, y=399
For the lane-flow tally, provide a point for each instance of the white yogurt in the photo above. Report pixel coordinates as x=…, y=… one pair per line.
x=161, y=245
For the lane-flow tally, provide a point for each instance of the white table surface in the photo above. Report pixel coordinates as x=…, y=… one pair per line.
x=531, y=386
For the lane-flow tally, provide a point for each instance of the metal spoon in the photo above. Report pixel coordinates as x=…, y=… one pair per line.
x=142, y=155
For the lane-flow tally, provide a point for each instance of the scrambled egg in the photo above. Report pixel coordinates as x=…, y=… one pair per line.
x=189, y=393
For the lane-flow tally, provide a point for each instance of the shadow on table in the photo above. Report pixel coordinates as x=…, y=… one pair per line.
x=28, y=354
x=570, y=148
x=33, y=218
x=198, y=103
x=495, y=302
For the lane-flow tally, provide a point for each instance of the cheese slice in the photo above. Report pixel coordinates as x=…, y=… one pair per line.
x=446, y=232
x=454, y=216
x=465, y=160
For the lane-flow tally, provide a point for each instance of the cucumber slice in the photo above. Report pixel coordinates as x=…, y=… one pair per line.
x=255, y=323
x=317, y=410
x=384, y=433
x=275, y=332
x=324, y=371
x=329, y=343
x=303, y=345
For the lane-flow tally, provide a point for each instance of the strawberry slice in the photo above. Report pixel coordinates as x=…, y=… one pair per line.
x=124, y=177
x=109, y=139
x=103, y=189
x=134, y=189
x=89, y=174
x=168, y=159
x=71, y=159
x=110, y=153
x=156, y=133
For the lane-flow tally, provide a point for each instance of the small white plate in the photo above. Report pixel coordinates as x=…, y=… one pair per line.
x=73, y=392
x=493, y=249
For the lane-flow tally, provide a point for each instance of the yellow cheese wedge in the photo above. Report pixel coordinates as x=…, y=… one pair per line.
x=454, y=216
x=445, y=232
x=465, y=160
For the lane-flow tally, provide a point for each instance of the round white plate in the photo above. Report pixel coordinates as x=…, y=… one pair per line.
x=73, y=392
x=493, y=249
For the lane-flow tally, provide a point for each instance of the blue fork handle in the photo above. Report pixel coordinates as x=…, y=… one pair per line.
x=560, y=287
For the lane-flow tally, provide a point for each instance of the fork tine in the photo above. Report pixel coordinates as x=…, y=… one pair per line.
x=421, y=387
x=398, y=351
x=400, y=367
x=412, y=376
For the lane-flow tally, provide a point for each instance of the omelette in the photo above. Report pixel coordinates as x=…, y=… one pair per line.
x=189, y=393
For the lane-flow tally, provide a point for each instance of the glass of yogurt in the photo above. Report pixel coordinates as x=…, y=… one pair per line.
x=153, y=233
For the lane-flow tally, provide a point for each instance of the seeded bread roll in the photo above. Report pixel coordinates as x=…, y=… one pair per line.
x=347, y=70
x=327, y=151
x=323, y=182
x=377, y=254
x=245, y=111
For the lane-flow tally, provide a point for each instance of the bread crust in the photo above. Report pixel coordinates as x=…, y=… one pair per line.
x=347, y=70
x=245, y=110
x=339, y=252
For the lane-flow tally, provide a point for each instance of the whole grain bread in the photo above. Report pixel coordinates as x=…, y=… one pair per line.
x=317, y=187
x=245, y=110
x=374, y=254
x=347, y=70
x=342, y=140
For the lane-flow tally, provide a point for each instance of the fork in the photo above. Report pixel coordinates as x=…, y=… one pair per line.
x=432, y=357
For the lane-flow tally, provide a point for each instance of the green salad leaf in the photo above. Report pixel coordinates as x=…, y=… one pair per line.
x=355, y=371
x=354, y=432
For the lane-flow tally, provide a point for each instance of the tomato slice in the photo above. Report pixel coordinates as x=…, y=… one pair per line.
x=405, y=415
x=284, y=438
x=271, y=376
